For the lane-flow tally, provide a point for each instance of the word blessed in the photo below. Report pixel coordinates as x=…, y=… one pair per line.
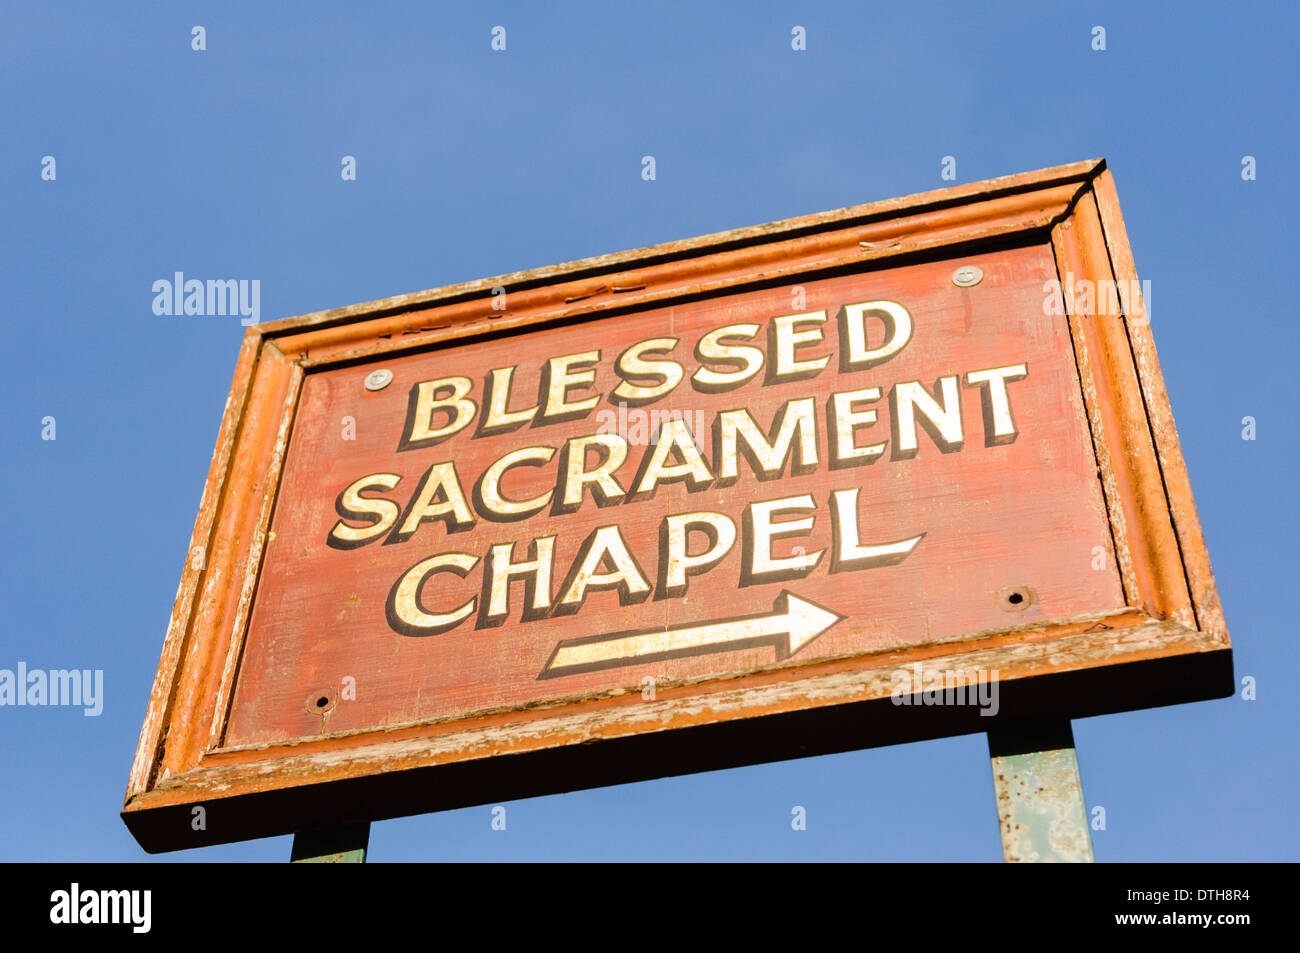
x=598, y=469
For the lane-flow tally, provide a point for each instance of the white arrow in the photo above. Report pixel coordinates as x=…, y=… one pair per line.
x=794, y=623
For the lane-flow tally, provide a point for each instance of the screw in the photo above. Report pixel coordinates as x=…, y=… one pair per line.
x=967, y=276
x=378, y=380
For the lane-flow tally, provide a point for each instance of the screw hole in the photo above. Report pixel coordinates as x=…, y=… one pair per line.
x=321, y=701
x=1016, y=598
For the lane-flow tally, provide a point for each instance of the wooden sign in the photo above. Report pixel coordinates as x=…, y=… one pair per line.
x=897, y=471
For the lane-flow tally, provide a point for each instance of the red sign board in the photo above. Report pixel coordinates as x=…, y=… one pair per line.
x=716, y=502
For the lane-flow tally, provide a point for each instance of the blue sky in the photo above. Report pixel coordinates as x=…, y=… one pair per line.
x=472, y=163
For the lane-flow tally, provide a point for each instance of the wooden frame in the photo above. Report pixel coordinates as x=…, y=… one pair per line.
x=1170, y=645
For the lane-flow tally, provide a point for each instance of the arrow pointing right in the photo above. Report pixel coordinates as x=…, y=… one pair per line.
x=792, y=625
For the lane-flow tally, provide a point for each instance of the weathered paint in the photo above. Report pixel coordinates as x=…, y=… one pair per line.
x=1143, y=629
x=1042, y=817
x=980, y=519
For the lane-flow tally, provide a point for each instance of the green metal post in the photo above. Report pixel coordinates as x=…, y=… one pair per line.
x=1041, y=812
x=336, y=845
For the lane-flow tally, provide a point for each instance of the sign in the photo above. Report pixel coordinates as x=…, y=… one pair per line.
x=746, y=497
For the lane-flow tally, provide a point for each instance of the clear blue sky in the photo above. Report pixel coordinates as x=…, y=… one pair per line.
x=473, y=163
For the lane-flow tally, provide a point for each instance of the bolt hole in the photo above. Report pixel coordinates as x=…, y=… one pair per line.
x=1016, y=598
x=322, y=702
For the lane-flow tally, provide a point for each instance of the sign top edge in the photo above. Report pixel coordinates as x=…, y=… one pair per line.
x=1082, y=172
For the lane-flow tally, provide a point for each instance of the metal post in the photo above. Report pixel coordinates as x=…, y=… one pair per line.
x=1041, y=813
x=337, y=845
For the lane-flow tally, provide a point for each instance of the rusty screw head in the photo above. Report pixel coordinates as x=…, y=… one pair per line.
x=378, y=380
x=967, y=276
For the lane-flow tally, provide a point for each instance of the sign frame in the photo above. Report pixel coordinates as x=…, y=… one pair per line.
x=1170, y=645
